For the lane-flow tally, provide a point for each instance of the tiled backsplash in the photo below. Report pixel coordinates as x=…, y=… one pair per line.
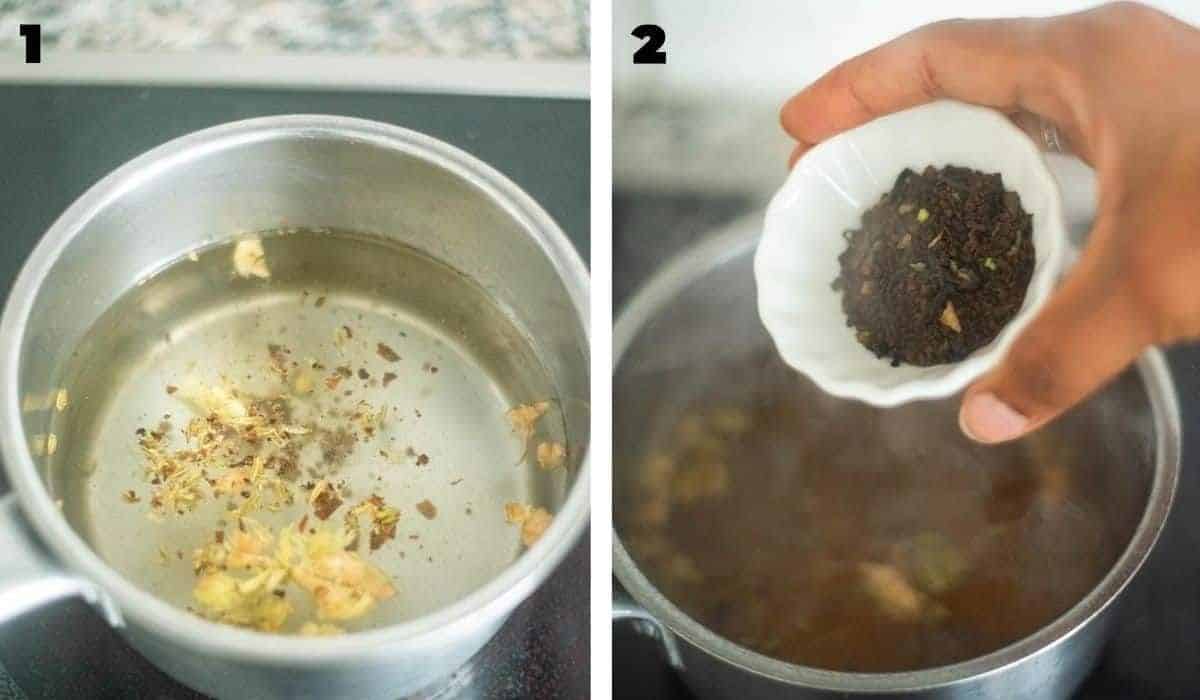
x=481, y=29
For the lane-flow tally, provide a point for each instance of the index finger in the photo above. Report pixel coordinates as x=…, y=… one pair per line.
x=995, y=63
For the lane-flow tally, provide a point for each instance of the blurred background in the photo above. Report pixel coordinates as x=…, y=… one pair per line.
x=495, y=46
x=511, y=29
x=708, y=118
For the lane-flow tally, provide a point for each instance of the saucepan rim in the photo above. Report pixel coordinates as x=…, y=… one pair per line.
x=739, y=240
x=500, y=594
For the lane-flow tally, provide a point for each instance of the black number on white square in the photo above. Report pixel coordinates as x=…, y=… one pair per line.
x=651, y=51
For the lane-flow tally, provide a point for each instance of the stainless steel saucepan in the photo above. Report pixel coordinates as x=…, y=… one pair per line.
x=692, y=337
x=478, y=296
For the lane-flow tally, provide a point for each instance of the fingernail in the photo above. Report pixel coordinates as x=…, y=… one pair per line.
x=985, y=418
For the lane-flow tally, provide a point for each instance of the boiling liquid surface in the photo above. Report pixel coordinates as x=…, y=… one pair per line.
x=830, y=534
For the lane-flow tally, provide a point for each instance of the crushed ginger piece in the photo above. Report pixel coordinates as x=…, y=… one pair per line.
x=383, y=520
x=207, y=400
x=949, y=318
x=533, y=521
x=550, y=455
x=247, y=602
x=524, y=418
x=895, y=596
x=516, y=512
x=343, y=586
x=319, y=629
x=250, y=260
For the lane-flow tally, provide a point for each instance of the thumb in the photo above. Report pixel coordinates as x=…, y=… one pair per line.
x=1090, y=330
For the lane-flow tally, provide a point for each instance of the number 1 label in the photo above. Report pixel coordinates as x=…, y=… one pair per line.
x=33, y=42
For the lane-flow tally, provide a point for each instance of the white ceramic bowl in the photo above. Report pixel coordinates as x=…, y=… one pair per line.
x=826, y=194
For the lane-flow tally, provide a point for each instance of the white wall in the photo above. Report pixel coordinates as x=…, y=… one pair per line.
x=767, y=49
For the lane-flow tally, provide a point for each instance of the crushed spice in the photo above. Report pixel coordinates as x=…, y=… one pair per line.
x=386, y=352
x=938, y=267
x=383, y=520
x=324, y=499
x=243, y=443
x=246, y=449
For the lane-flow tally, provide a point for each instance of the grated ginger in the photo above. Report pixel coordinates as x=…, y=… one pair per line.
x=533, y=521
x=524, y=418
x=343, y=585
x=550, y=455
x=250, y=260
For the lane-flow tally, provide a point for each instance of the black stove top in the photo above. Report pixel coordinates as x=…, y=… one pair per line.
x=1155, y=648
x=57, y=141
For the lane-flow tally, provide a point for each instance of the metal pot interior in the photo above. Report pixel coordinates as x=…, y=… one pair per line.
x=833, y=535
x=392, y=241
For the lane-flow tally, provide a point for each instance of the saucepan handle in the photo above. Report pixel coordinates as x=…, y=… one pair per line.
x=30, y=577
x=626, y=609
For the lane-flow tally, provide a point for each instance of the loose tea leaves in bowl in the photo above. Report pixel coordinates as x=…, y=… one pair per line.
x=938, y=267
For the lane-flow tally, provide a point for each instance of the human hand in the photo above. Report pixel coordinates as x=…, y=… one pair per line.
x=1119, y=84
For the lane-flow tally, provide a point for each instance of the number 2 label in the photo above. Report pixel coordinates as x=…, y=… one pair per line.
x=652, y=50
